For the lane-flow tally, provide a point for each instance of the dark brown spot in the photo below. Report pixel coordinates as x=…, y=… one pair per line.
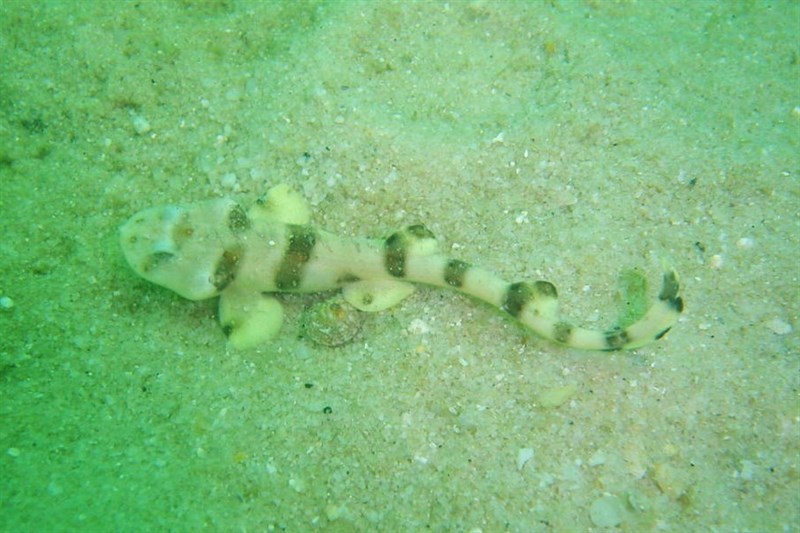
x=517, y=296
x=616, y=340
x=670, y=286
x=455, y=271
x=395, y=255
x=238, y=220
x=347, y=278
x=302, y=240
x=227, y=268
x=676, y=304
x=183, y=229
x=562, y=332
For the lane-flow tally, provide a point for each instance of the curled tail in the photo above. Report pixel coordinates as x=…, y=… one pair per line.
x=410, y=255
x=532, y=305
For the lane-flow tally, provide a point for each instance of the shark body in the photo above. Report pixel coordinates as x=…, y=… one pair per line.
x=217, y=248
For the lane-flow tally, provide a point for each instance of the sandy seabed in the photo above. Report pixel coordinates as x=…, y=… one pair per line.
x=562, y=140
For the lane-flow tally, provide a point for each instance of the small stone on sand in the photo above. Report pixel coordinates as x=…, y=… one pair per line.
x=555, y=396
x=523, y=456
x=779, y=327
x=606, y=511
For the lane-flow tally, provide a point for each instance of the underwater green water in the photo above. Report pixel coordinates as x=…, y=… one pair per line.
x=570, y=141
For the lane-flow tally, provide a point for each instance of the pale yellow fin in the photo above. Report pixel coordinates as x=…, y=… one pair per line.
x=282, y=204
x=419, y=241
x=545, y=301
x=249, y=318
x=374, y=296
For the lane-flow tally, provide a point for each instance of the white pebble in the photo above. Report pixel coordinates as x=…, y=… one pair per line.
x=6, y=302
x=418, y=327
x=745, y=243
x=748, y=470
x=229, y=181
x=598, y=458
x=779, y=327
x=523, y=456
x=334, y=512
x=140, y=124
x=716, y=262
x=556, y=396
x=606, y=511
x=233, y=95
x=298, y=485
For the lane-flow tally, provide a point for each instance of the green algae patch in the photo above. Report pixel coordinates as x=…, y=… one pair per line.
x=633, y=293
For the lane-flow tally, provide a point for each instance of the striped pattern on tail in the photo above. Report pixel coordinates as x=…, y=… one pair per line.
x=534, y=304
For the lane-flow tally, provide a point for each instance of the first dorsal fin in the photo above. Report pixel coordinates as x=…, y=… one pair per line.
x=412, y=241
x=281, y=204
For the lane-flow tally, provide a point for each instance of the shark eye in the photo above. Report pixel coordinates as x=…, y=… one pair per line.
x=162, y=256
x=156, y=260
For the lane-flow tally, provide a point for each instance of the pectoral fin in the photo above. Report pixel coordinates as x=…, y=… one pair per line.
x=249, y=318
